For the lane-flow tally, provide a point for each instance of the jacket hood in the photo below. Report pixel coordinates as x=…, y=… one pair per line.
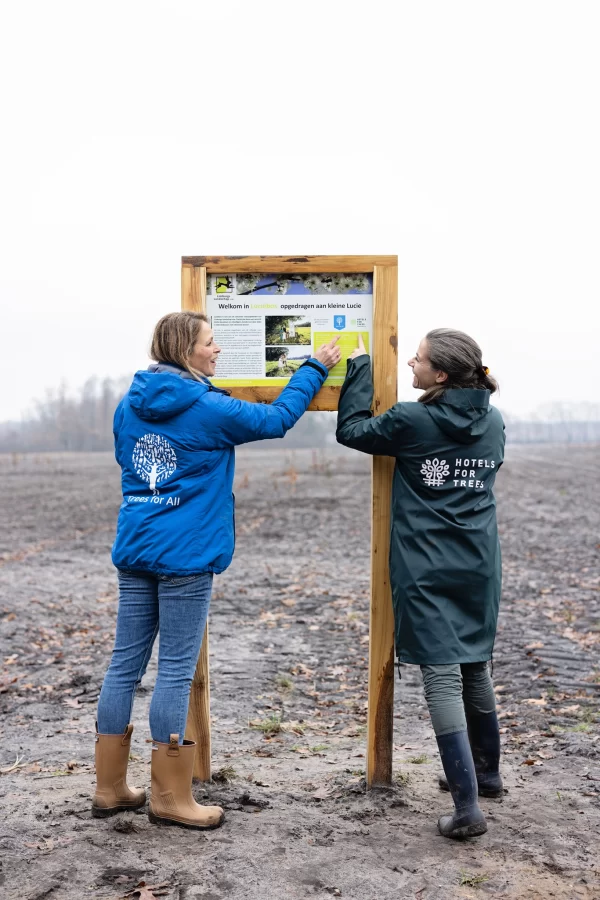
x=463, y=414
x=161, y=393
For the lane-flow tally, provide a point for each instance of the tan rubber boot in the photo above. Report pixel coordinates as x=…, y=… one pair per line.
x=171, y=800
x=112, y=792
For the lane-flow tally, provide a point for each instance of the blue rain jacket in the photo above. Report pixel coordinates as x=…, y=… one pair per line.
x=175, y=440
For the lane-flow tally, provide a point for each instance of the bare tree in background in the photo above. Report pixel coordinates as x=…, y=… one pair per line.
x=65, y=421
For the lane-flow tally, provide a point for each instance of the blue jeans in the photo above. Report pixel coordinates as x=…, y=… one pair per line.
x=176, y=609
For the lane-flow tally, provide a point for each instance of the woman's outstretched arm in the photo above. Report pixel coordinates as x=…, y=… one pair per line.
x=356, y=425
x=236, y=422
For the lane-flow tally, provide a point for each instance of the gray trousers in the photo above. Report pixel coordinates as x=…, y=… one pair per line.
x=455, y=692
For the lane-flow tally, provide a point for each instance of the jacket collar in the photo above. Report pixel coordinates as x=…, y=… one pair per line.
x=161, y=368
x=172, y=369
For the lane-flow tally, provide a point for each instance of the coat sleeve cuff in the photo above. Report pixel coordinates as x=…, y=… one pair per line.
x=353, y=365
x=315, y=364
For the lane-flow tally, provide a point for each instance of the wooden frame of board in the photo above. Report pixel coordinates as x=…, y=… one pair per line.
x=385, y=381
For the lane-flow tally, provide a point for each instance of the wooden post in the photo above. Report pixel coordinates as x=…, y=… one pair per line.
x=193, y=297
x=193, y=288
x=198, y=721
x=380, y=717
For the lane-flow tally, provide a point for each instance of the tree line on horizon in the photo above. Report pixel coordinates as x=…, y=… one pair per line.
x=82, y=422
x=65, y=421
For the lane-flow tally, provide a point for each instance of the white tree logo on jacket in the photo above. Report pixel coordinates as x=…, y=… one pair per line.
x=435, y=472
x=154, y=459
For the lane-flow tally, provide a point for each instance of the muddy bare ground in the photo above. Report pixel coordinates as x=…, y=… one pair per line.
x=289, y=638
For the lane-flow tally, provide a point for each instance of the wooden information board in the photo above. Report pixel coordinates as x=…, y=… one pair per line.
x=280, y=309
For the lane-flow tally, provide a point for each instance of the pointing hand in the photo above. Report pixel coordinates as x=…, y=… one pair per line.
x=360, y=350
x=329, y=354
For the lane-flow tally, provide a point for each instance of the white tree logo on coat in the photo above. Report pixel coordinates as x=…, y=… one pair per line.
x=154, y=459
x=435, y=472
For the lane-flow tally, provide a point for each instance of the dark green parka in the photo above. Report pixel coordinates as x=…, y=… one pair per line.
x=445, y=567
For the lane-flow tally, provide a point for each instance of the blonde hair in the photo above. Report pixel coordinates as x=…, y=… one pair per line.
x=174, y=338
x=459, y=356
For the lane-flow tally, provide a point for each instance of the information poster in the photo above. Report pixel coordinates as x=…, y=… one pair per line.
x=268, y=325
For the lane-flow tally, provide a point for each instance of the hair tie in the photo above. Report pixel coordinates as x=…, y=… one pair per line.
x=486, y=370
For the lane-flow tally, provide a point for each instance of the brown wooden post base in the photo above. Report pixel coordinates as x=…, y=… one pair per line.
x=198, y=721
x=380, y=716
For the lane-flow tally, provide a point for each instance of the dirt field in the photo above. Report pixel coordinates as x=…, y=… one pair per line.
x=289, y=632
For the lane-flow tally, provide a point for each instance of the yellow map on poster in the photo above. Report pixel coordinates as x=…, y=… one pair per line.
x=348, y=342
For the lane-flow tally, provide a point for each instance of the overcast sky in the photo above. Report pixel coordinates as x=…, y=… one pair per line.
x=462, y=136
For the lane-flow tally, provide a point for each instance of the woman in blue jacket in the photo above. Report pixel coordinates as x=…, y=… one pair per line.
x=445, y=567
x=175, y=435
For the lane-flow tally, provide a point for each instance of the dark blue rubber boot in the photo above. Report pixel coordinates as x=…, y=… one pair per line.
x=484, y=738
x=467, y=820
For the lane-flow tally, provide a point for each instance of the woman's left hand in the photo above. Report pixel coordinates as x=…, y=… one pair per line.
x=360, y=350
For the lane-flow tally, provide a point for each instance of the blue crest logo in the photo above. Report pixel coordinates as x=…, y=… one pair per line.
x=339, y=322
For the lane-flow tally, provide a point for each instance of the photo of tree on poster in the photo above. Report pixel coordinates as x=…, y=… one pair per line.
x=287, y=330
x=282, y=362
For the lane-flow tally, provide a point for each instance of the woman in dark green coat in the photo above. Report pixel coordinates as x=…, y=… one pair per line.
x=445, y=566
